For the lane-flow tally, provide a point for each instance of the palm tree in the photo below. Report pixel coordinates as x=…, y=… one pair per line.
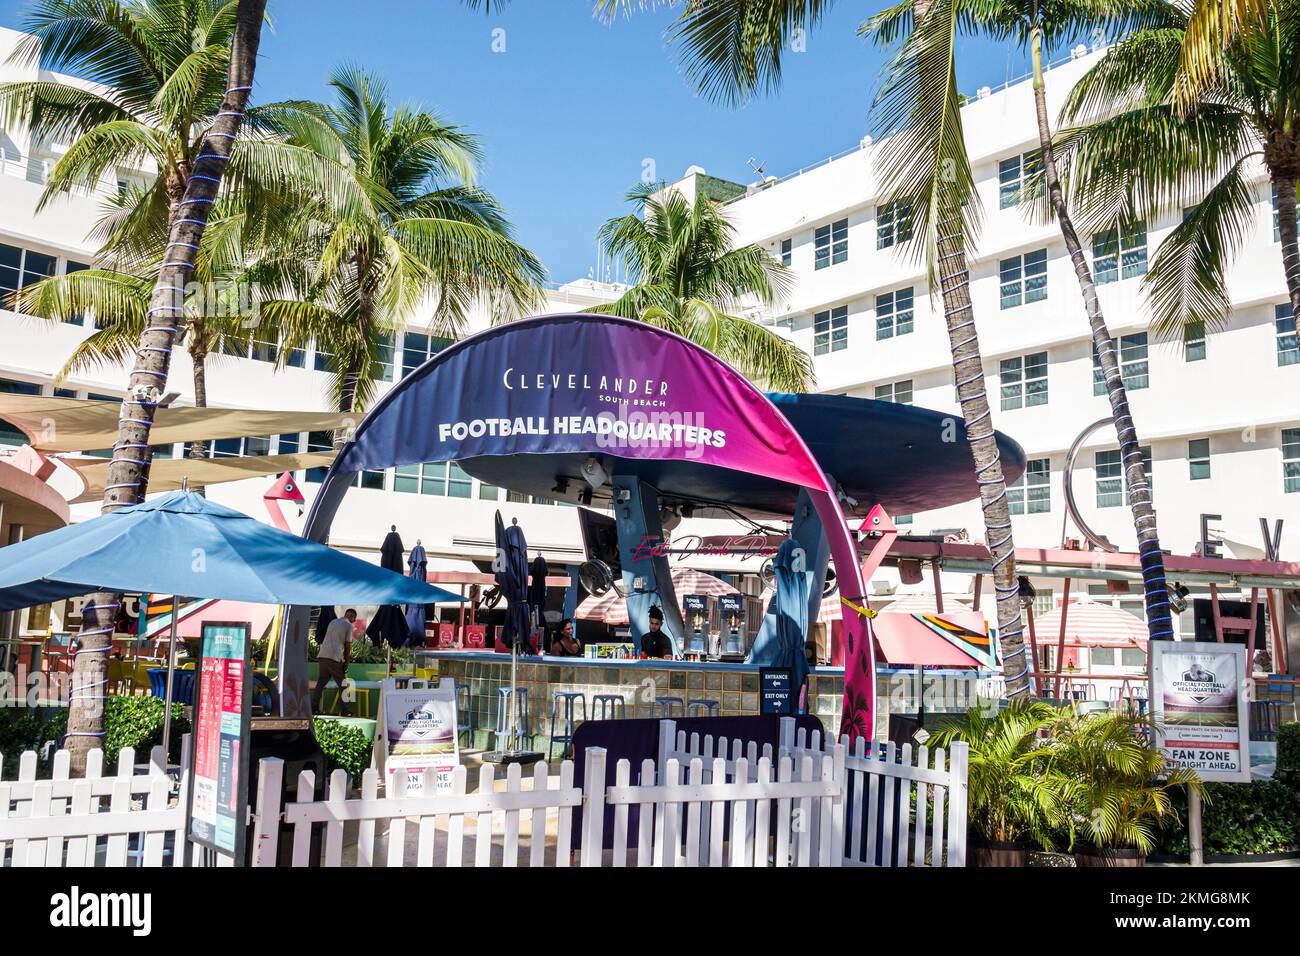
x=1139, y=151
x=734, y=48
x=1040, y=26
x=422, y=233
x=160, y=69
x=690, y=280
x=115, y=44
x=234, y=266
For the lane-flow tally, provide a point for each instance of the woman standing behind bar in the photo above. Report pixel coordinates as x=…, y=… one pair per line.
x=564, y=643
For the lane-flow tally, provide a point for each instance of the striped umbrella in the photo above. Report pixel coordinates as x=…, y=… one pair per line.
x=610, y=608
x=1092, y=624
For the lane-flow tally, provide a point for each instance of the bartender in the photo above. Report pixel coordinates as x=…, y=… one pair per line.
x=655, y=644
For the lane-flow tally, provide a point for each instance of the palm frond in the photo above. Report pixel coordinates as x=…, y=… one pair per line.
x=1187, y=284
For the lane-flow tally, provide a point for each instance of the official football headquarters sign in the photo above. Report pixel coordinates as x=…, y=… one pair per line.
x=1199, y=706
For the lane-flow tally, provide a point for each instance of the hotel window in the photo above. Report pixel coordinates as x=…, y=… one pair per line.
x=894, y=313
x=288, y=444
x=902, y=519
x=1031, y=493
x=1133, y=368
x=1277, y=219
x=489, y=492
x=1024, y=279
x=1024, y=381
x=1194, y=342
x=1120, y=253
x=1110, y=477
x=1020, y=179
x=21, y=267
x=418, y=348
x=319, y=441
x=787, y=251
x=322, y=361
x=832, y=244
x=1288, y=349
x=899, y=392
x=1291, y=460
x=1198, y=458
x=893, y=224
x=831, y=330
x=258, y=349
x=446, y=479
x=381, y=368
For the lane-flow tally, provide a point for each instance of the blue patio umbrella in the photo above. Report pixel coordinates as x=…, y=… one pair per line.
x=511, y=568
x=182, y=543
x=784, y=646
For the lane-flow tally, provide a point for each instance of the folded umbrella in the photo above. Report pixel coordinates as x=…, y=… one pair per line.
x=418, y=565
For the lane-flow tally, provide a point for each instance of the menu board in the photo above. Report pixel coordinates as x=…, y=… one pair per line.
x=1198, y=706
x=219, y=788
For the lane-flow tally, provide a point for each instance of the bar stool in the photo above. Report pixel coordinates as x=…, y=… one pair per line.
x=502, y=731
x=702, y=708
x=611, y=707
x=571, y=698
x=465, y=706
x=666, y=705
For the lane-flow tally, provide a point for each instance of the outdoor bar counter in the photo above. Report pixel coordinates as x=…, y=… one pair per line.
x=638, y=683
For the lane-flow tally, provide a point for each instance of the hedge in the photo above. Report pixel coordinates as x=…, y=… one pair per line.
x=344, y=746
x=1288, y=748
x=1240, y=819
x=128, y=722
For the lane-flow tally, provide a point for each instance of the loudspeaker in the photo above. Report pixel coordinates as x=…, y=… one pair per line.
x=1203, y=614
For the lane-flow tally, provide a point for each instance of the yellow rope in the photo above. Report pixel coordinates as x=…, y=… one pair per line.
x=866, y=612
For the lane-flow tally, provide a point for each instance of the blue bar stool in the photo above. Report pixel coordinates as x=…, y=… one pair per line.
x=465, y=707
x=501, y=735
x=702, y=708
x=608, y=707
x=571, y=699
x=666, y=705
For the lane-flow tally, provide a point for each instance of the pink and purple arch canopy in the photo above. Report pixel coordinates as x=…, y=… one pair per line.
x=617, y=389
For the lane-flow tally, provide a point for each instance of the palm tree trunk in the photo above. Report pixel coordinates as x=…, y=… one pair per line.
x=968, y=371
x=128, y=471
x=1154, y=587
x=1285, y=179
x=198, y=349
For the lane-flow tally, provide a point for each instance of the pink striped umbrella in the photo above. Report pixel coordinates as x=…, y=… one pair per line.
x=1092, y=624
x=610, y=608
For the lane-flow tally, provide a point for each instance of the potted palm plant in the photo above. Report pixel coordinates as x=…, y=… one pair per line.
x=1014, y=797
x=1117, y=786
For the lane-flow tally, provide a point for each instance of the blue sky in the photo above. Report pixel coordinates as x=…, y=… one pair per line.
x=573, y=108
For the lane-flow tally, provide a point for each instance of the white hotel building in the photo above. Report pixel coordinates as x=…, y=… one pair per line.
x=1220, y=414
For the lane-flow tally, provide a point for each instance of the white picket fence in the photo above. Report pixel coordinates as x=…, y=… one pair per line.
x=899, y=807
x=93, y=820
x=714, y=804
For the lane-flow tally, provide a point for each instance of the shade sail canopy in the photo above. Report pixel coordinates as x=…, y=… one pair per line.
x=84, y=424
x=171, y=474
x=1092, y=624
x=611, y=608
x=906, y=458
x=182, y=543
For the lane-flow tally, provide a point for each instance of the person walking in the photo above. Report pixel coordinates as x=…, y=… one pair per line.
x=332, y=660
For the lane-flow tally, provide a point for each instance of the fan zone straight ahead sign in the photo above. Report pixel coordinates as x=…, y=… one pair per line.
x=1199, y=707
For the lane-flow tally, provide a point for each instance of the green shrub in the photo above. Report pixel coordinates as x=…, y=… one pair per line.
x=20, y=729
x=1241, y=818
x=130, y=722
x=344, y=747
x=1288, y=748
